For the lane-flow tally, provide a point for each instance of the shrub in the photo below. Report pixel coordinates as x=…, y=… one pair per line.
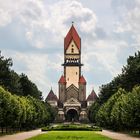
x=71, y=128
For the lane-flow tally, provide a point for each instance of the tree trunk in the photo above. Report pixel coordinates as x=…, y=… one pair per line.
x=6, y=129
x=2, y=130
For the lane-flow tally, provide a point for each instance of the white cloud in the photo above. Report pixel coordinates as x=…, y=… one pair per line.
x=39, y=44
x=54, y=19
x=45, y=27
x=40, y=22
x=106, y=52
x=29, y=35
x=38, y=67
x=130, y=19
x=5, y=18
x=64, y=12
x=7, y=11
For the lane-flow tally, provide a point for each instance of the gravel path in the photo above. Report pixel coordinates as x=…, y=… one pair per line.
x=22, y=135
x=117, y=136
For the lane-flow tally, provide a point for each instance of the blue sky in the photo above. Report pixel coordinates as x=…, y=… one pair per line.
x=32, y=33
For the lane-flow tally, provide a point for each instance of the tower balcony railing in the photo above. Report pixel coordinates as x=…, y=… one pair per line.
x=72, y=64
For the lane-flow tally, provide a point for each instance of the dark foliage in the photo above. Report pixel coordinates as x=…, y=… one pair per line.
x=17, y=84
x=119, y=101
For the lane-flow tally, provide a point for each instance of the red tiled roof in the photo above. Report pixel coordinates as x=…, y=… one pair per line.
x=72, y=34
x=92, y=96
x=62, y=80
x=51, y=96
x=82, y=80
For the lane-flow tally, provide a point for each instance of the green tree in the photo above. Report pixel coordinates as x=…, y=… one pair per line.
x=130, y=114
x=8, y=107
x=104, y=113
x=5, y=65
x=29, y=88
x=116, y=113
x=23, y=117
x=14, y=83
x=106, y=91
x=52, y=112
x=131, y=72
x=129, y=77
x=16, y=111
x=93, y=111
x=23, y=112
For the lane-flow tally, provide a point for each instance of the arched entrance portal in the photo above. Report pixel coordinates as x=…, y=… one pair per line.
x=72, y=115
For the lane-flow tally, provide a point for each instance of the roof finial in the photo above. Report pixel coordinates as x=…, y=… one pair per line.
x=72, y=22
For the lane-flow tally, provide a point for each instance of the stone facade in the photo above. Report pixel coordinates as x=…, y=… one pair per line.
x=72, y=102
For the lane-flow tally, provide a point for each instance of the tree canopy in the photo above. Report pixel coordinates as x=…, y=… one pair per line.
x=21, y=104
x=22, y=112
x=129, y=77
x=119, y=101
x=15, y=83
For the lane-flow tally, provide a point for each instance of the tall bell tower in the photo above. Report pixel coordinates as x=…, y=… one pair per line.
x=72, y=58
x=72, y=102
x=72, y=85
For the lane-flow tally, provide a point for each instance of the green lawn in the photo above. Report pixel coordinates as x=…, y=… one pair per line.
x=70, y=135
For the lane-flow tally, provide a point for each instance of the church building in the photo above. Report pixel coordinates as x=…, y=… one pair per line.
x=72, y=104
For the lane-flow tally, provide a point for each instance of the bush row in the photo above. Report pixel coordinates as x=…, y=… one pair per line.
x=71, y=128
x=22, y=112
x=120, y=112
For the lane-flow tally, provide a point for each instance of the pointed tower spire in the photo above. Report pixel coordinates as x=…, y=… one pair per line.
x=51, y=96
x=72, y=35
x=92, y=96
x=82, y=80
x=62, y=80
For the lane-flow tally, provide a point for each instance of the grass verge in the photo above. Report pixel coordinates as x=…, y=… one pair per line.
x=70, y=135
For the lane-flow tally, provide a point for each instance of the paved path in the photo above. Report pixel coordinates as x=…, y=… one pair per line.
x=117, y=136
x=26, y=135
x=22, y=135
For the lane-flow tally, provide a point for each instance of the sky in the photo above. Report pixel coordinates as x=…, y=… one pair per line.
x=32, y=33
